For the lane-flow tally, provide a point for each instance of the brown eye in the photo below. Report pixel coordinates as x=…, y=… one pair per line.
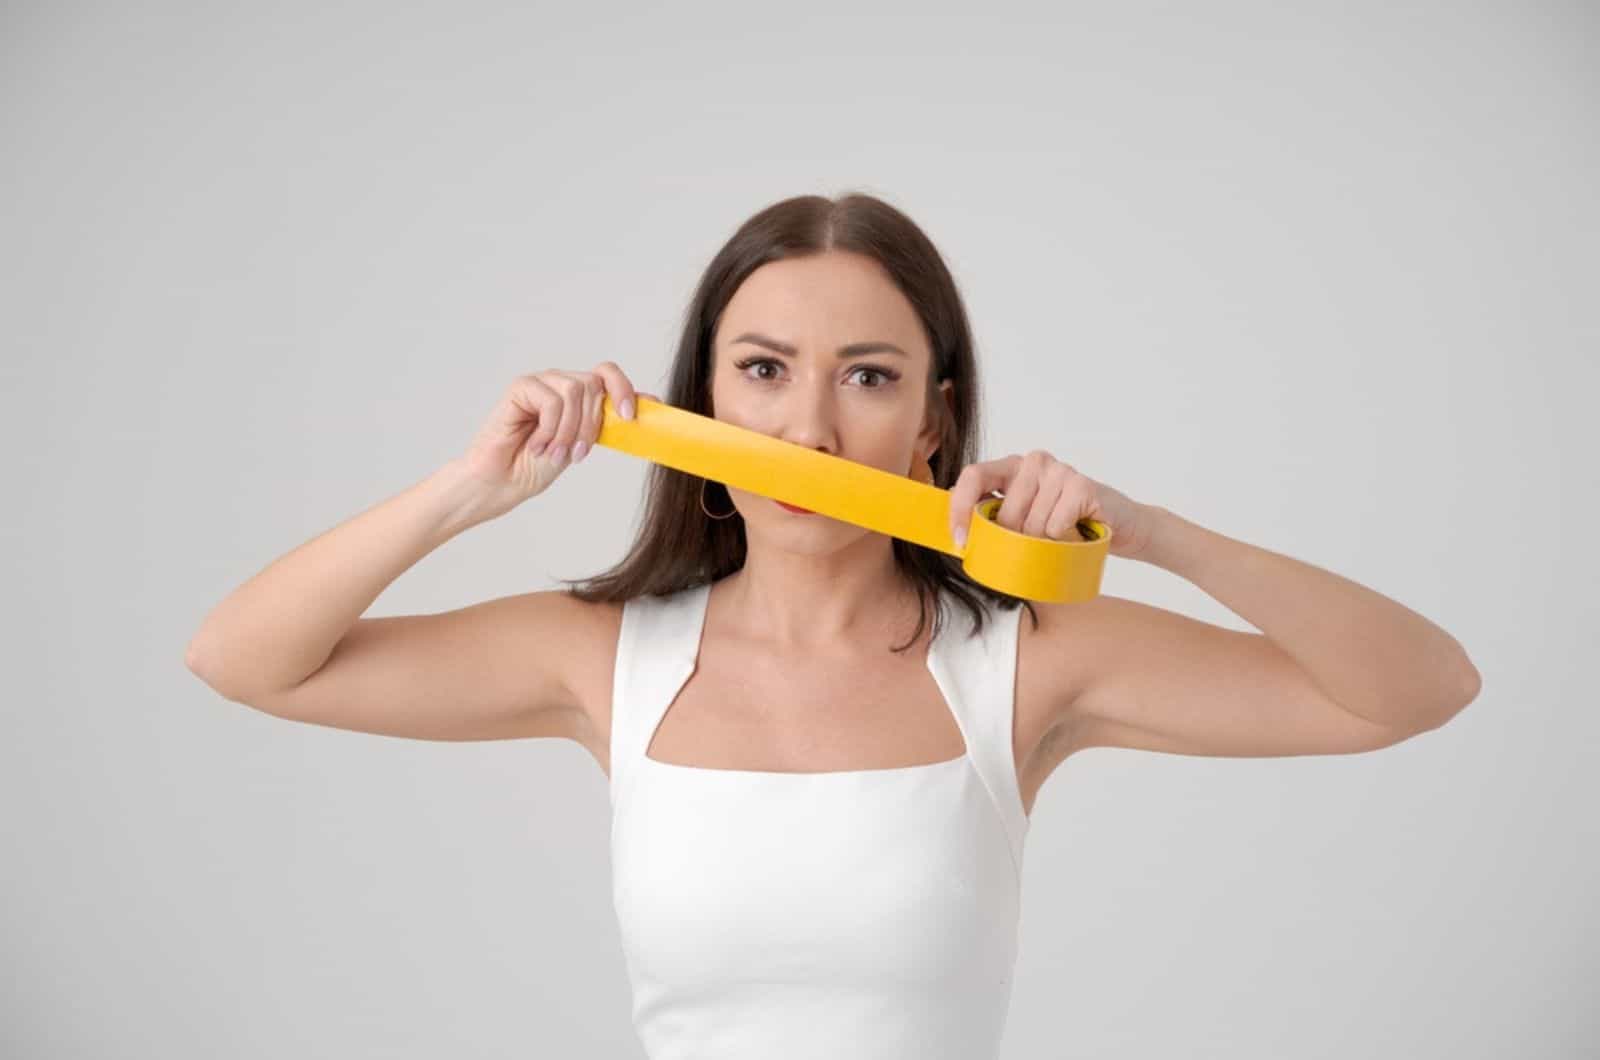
x=756, y=362
x=884, y=375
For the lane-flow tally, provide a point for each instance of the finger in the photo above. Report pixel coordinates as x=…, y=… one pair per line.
x=974, y=481
x=571, y=389
x=519, y=403
x=1020, y=492
x=536, y=395
x=618, y=388
x=1063, y=520
x=593, y=412
x=1054, y=483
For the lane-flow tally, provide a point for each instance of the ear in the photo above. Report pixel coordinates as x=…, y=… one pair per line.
x=932, y=428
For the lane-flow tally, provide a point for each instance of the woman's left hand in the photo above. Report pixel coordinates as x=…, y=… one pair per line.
x=1046, y=498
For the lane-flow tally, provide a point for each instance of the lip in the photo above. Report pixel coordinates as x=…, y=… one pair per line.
x=793, y=509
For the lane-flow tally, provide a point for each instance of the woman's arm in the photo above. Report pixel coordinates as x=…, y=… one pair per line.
x=1377, y=658
x=280, y=626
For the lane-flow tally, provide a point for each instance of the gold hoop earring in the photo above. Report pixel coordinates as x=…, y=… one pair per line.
x=703, y=503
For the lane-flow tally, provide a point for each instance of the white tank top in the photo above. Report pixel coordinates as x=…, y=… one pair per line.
x=843, y=914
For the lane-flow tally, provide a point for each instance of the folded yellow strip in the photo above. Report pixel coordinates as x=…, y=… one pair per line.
x=1034, y=568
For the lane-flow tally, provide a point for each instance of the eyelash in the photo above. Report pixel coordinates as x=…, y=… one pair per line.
x=888, y=375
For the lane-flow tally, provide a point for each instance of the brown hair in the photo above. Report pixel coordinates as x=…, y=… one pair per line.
x=678, y=546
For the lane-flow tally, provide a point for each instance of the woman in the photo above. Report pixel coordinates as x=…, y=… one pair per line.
x=823, y=744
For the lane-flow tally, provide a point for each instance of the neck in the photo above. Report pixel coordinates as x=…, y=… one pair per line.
x=851, y=597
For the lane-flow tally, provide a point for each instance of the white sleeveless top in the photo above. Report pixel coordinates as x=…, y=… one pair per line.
x=844, y=914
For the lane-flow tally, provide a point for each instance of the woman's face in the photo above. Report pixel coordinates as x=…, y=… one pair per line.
x=824, y=351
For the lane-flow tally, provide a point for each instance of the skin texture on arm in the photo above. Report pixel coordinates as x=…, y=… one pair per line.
x=1337, y=667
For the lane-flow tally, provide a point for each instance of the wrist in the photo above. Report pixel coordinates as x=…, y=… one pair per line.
x=1156, y=526
x=457, y=499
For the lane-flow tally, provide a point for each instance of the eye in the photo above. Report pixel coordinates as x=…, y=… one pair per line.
x=884, y=375
x=756, y=361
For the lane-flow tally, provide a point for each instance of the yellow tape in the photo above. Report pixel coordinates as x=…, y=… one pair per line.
x=1034, y=568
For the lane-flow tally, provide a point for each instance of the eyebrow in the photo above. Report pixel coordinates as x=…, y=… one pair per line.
x=855, y=349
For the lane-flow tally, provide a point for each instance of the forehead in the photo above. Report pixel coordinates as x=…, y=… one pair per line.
x=822, y=301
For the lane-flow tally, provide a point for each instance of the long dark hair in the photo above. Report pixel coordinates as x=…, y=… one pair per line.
x=678, y=546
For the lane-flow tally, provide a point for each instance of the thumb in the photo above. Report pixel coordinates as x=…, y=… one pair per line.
x=974, y=482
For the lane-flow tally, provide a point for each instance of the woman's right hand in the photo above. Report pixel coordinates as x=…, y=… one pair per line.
x=543, y=422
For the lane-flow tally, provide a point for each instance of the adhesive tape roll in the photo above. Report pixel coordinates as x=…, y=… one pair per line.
x=1034, y=568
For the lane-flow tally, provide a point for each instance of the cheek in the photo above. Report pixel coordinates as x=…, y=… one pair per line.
x=727, y=404
x=886, y=459
x=891, y=451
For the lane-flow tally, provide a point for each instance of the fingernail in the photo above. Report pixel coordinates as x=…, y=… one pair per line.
x=627, y=408
x=961, y=537
x=559, y=453
x=580, y=451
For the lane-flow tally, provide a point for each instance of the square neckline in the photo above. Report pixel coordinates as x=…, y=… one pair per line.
x=693, y=664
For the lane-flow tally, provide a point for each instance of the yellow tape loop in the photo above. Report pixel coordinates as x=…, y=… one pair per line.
x=1034, y=568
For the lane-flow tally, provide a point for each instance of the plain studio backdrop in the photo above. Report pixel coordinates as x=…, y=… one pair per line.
x=1323, y=281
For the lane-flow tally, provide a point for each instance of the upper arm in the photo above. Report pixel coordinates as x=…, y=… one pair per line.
x=501, y=669
x=1152, y=679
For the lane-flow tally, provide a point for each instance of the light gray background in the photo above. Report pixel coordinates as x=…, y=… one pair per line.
x=1324, y=282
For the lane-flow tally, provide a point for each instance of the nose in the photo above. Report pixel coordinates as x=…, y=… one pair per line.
x=808, y=420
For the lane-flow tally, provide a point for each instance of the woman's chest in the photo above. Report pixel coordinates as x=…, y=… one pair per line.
x=743, y=711
x=754, y=712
